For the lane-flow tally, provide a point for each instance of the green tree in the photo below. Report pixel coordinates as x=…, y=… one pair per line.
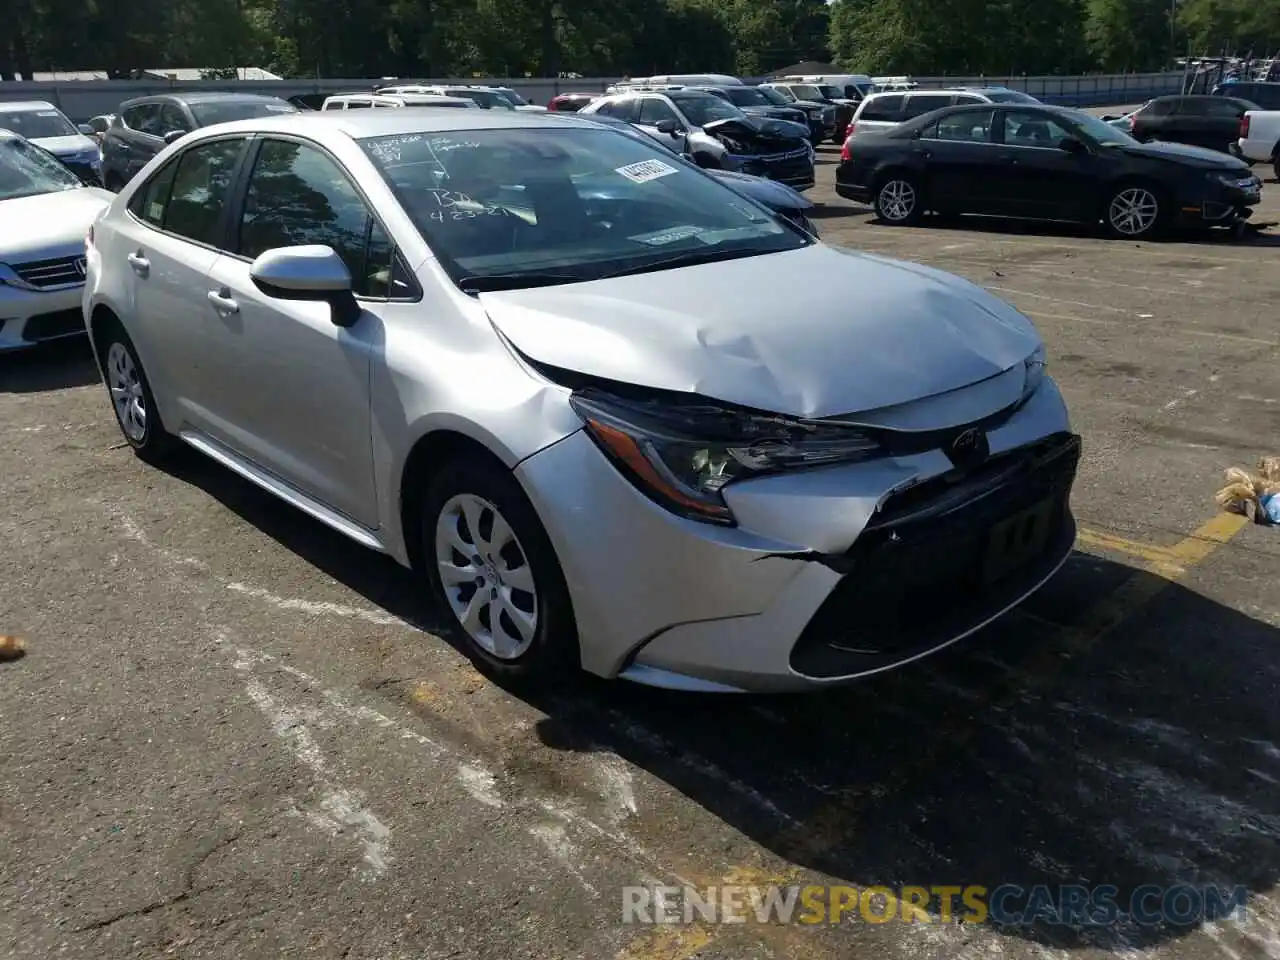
x=1129, y=35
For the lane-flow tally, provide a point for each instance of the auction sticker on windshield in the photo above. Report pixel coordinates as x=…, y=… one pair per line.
x=646, y=170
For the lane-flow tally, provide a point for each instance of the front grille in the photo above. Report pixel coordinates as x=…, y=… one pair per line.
x=59, y=272
x=922, y=572
x=50, y=326
x=796, y=168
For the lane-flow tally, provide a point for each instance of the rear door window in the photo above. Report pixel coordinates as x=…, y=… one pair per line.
x=172, y=118
x=969, y=126
x=199, y=192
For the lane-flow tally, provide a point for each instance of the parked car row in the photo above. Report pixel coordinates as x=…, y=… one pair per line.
x=46, y=206
x=633, y=379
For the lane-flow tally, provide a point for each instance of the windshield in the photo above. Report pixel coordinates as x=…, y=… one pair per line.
x=780, y=97
x=514, y=98
x=209, y=112
x=706, y=108
x=748, y=97
x=26, y=171
x=1009, y=96
x=806, y=91
x=830, y=92
x=1099, y=130
x=521, y=206
x=37, y=124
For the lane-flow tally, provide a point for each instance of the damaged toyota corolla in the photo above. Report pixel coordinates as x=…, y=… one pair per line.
x=656, y=432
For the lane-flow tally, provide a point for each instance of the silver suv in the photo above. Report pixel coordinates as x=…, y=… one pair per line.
x=884, y=111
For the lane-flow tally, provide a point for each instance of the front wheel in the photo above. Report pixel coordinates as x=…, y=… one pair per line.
x=1133, y=212
x=898, y=200
x=491, y=564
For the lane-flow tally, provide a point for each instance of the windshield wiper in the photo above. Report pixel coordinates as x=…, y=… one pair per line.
x=690, y=259
x=488, y=282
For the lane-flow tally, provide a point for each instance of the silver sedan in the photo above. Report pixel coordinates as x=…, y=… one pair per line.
x=618, y=415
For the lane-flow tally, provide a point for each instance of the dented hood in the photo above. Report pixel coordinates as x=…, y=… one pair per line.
x=751, y=127
x=812, y=332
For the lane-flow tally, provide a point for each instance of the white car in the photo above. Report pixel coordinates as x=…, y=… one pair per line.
x=48, y=127
x=45, y=212
x=366, y=101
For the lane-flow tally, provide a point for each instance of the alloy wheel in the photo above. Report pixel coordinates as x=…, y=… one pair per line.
x=897, y=200
x=486, y=577
x=1133, y=211
x=126, y=392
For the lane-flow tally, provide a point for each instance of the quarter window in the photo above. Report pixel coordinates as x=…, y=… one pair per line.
x=296, y=196
x=921, y=103
x=199, y=192
x=882, y=108
x=150, y=202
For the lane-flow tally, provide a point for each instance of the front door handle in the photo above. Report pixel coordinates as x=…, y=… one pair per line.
x=140, y=264
x=924, y=153
x=222, y=301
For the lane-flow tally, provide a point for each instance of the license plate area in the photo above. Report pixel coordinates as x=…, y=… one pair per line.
x=1017, y=540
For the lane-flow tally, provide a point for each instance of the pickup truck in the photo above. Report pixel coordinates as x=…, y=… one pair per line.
x=1259, y=140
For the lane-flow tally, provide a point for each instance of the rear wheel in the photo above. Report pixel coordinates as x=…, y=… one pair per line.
x=898, y=201
x=1275, y=164
x=1133, y=211
x=131, y=398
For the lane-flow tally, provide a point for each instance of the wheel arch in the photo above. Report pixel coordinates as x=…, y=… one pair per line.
x=439, y=445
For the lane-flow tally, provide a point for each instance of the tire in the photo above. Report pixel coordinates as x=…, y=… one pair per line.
x=898, y=200
x=1275, y=165
x=132, y=401
x=536, y=641
x=112, y=181
x=1134, y=211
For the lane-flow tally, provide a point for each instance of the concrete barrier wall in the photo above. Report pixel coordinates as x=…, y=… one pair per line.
x=82, y=99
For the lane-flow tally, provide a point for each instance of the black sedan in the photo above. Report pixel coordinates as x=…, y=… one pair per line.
x=1042, y=163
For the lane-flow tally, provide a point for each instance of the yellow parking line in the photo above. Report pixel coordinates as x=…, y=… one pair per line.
x=833, y=823
x=1134, y=548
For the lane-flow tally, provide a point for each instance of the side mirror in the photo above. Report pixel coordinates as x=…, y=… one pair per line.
x=312, y=272
x=669, y=127
x=1072, y=145
x=174, y=135
x=87, y=130
x=1108, y=117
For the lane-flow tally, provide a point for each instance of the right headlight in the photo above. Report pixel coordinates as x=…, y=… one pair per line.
x=682, y=455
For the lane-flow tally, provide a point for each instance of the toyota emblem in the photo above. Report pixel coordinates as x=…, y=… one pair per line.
x=969, y=449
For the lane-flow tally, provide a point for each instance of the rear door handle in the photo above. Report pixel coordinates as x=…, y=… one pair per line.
x=141, y=265
x=222, y=301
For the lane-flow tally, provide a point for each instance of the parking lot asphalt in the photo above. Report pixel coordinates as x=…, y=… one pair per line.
x=237, y=735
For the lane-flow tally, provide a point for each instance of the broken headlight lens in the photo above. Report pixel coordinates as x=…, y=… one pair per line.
x=1035, y=366
x=682, y=455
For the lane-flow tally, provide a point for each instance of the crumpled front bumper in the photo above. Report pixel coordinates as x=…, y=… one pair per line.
x=672, y=602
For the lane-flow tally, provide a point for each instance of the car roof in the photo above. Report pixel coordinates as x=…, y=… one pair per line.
x=359, y=124
x=16, y=106
x=211, y=96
